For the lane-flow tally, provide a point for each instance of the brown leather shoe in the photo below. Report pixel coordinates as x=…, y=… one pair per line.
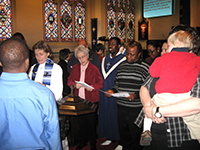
x=145, y=139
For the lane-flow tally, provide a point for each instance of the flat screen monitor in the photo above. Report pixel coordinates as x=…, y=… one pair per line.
x=157, y=8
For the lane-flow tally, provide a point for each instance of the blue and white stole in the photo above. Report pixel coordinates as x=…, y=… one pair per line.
x=47, y=71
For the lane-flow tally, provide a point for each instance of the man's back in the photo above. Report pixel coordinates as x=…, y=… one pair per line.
x=29, y=118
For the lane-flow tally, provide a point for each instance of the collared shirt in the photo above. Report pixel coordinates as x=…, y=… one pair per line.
x=81, y=92
x=115, y=55
x=56, y=79
x=29, y=117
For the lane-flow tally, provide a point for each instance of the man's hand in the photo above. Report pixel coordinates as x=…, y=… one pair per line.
x=148, y=110
x=110, y=92
x=150, y=113
x=131, y=97
x=159, y=120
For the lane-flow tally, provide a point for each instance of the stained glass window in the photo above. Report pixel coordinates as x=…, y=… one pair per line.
x=121, y=24
x=5, y=20
x=70, y=25
x=66, y=22
x=121, y=19
x=79, y=22
x=111, y=19
x=130, y=26
x=51, y=21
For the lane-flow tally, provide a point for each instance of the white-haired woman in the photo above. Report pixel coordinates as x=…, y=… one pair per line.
x=86, y=72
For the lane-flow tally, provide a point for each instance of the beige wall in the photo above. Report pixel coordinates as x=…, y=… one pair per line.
x=160, y=27
x=28, y=19
x=195, y=12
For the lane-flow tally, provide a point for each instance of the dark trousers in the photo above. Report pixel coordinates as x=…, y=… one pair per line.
x=159, y=140
x=128, y=131
x=88, y=124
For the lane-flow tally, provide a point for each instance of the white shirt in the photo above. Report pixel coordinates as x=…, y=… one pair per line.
x=56, y=85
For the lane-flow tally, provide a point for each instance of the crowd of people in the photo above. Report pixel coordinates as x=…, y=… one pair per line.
x=143, y=104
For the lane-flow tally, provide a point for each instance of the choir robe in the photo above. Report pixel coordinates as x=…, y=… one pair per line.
x=108, y=122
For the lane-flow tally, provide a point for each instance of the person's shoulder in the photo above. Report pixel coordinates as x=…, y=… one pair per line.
x=42, y=94
x=76, y=66
x=145, y=63
x=120, y=56
x=57, y=66
x=38, y=89
x=123, y=63
x=61, y=62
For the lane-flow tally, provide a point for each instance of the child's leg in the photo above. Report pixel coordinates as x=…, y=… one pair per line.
x=147, y=124
x=146, y=135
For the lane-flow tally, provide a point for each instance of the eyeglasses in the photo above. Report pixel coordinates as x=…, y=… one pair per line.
x=149, y=51
x=79, y=58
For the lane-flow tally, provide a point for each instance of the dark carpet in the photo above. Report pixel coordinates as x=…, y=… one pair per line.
x=112, y=146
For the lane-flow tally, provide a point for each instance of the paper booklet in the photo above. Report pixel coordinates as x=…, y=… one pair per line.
x=121, y=94
x=84, y=84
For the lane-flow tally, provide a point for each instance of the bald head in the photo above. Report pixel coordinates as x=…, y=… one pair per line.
x=14, y=55
x=83, y=42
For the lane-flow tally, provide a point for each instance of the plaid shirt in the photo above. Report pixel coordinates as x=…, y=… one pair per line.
x=177, y=130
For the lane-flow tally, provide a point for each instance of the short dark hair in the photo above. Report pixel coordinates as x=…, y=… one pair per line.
x=13, y=53
x=137, y=44
x=99, y=46
x=42, y=45
x=116, y=39
x=153, y=43
x=18, y=35
x=64, y=53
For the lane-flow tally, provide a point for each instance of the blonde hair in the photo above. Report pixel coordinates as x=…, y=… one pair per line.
x=185, y=38
x=81, y=49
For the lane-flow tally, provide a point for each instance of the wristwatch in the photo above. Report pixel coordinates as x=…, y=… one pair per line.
x=157, y=113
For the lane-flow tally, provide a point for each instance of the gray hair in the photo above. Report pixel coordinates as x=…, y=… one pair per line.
x=81, y=49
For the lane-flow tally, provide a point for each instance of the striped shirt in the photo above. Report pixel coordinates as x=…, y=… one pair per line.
x=129, y=78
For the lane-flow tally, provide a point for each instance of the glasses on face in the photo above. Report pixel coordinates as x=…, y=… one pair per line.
x=79, y=58
x=150, y=51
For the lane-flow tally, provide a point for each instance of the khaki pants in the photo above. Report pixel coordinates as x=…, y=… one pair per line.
x=192, y=121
